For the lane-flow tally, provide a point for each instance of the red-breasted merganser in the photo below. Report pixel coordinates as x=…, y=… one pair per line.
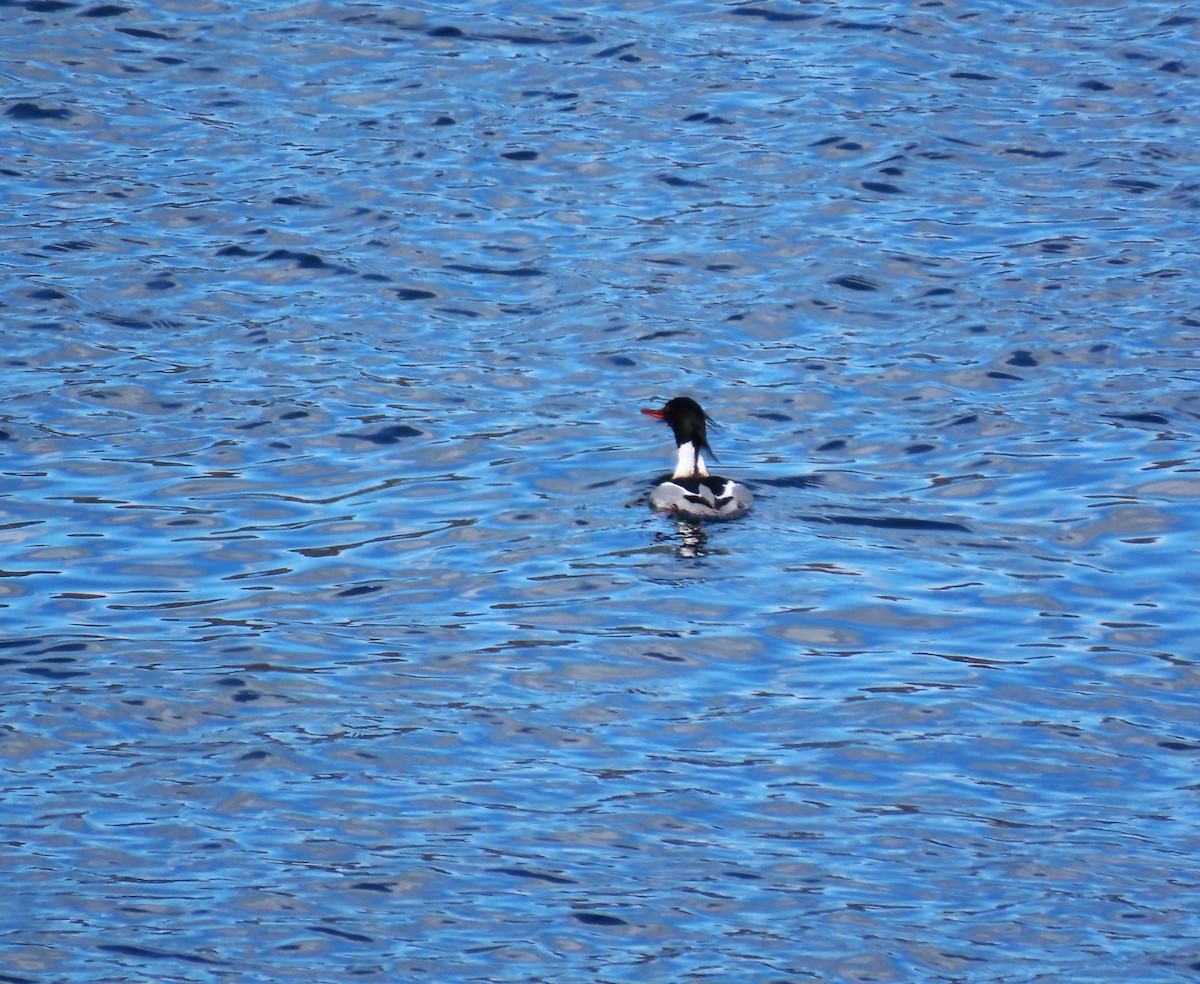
x=691, y=492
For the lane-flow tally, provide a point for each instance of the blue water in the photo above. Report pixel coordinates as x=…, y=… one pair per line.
x=338, y=642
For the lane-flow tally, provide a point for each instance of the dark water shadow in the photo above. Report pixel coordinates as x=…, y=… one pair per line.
x=787, y=482
x=904, y=523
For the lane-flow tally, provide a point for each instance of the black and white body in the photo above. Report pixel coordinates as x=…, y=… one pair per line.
x=691, y=492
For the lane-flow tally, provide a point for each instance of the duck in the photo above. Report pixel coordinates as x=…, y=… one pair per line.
x=691, y=492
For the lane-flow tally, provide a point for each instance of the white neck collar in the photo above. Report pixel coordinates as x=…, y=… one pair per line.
x=689, y=462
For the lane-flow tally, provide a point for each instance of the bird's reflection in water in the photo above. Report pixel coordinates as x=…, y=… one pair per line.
x=691, y=538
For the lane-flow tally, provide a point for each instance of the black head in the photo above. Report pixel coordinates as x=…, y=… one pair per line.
x=687, y=420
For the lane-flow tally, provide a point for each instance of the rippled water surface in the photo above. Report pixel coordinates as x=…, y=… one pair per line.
x=338, y=642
